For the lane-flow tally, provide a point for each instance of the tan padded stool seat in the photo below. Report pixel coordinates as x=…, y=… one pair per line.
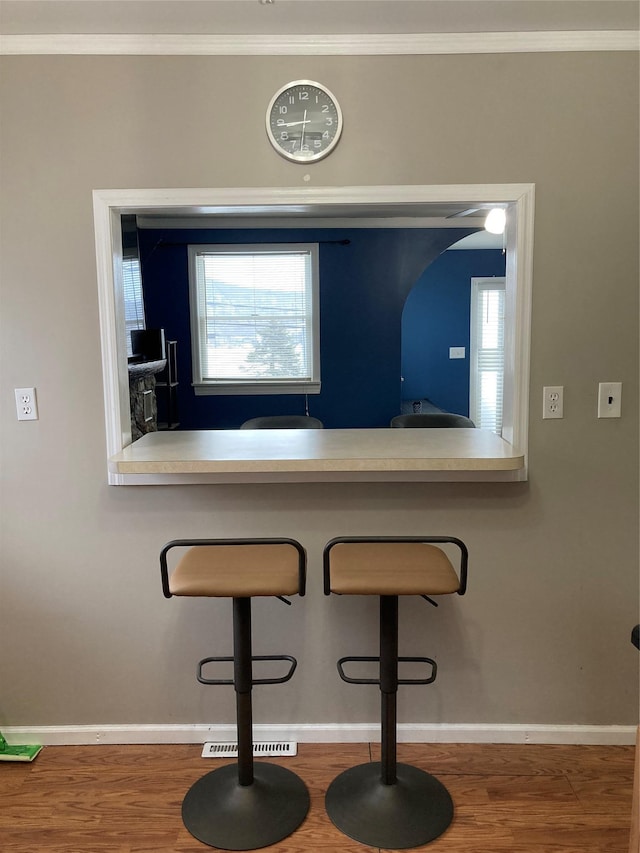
x=391, y=568
x=236, y=571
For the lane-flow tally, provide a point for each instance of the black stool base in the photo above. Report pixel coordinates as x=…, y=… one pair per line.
x=413, y=811
x=221, y=813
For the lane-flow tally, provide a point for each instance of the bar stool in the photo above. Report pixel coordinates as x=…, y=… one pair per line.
x=385, y=804
x=248, y=805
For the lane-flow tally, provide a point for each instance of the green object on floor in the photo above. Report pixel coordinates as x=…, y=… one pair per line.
x=17, y=753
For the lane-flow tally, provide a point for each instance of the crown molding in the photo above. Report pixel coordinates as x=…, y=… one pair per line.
x=320, y=45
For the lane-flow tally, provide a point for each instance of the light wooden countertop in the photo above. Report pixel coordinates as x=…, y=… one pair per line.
x=311, y=455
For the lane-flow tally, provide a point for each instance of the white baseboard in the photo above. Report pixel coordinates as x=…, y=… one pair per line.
x=322, y=733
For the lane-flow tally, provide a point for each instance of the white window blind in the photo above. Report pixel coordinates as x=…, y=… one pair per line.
x=133, y=301
x=254, y=318
x=487, y=353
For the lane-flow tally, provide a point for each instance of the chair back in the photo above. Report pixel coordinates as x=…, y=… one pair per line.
x=283, y=422
x=432, y=420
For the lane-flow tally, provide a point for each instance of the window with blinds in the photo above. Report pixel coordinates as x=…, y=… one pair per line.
x=133, y=300
x=254, y=319
x=486, y=378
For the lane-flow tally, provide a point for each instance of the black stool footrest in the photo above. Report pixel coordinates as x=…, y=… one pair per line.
x=255, y=681
x=429, y=680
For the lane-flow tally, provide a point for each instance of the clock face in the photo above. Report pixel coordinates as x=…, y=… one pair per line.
x=304, y=121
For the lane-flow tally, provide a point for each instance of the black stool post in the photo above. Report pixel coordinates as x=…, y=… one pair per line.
x=242, y=682
x=388, y=686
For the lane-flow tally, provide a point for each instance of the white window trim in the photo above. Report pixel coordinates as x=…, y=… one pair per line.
x=256, y=387
x=387, y=201
x=478, y=283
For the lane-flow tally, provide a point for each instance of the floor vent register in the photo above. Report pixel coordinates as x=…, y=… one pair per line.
x=265, y=748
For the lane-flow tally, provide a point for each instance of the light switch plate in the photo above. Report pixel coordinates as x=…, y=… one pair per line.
x=609, y=399
x=457, y=352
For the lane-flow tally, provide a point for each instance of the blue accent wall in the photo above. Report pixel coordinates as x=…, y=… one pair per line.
x=363, y=287
x=437, y=316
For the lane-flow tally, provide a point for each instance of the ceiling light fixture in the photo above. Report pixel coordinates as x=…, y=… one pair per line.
x=496, y=221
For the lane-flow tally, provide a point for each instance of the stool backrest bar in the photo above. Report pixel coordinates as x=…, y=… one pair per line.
x=431, y=540
x=192, y=543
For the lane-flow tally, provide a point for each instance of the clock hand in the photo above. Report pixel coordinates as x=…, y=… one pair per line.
x=291, y=123
x=304, y=124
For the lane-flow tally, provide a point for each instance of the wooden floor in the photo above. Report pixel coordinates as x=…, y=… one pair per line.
x=508, y=799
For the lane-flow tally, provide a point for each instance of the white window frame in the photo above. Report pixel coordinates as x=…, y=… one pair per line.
x=478, y=285
x=386, y=206
x=205, y=386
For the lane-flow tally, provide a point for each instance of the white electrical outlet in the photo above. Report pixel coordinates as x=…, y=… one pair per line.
x=609, y=399
x=553, y=401
x=26, y=404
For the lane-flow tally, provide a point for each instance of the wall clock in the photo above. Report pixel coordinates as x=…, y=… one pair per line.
x=304, y=121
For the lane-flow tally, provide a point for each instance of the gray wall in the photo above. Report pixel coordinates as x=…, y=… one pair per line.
x=543, y=634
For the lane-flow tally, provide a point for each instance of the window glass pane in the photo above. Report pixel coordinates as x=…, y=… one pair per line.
x=255, y=315
x=133, y=302
x=487, y=353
